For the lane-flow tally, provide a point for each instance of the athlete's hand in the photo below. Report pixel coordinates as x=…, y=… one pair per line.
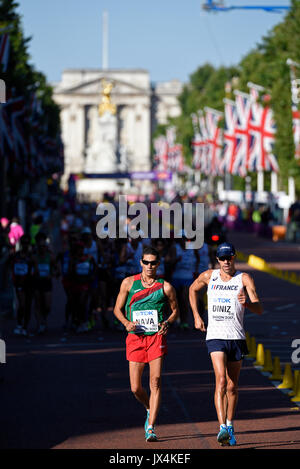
x=164, y=326
x=242, y=298
x=131, y=326
x=199, y=324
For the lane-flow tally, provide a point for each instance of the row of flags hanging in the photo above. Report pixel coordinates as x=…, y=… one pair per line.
x=168, y=155
x=240, y=139
x=24, y=135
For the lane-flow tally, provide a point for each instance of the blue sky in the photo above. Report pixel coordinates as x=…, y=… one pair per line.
x=169, y=38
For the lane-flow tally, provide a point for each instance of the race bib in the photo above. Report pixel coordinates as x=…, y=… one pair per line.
x=20, y=269
x=83, y=268
x=44, y=270
x=147, y=320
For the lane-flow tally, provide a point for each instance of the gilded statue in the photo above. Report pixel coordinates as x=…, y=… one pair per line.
x=106, y=105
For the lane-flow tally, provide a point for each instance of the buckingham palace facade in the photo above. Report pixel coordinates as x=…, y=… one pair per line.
x=117, y=140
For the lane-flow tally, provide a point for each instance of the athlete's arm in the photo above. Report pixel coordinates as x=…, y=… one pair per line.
x=254, y=305
x=170, y=293
x=120, y=304
x=201, y=282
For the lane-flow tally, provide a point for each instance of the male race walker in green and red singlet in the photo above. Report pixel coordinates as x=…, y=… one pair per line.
x=145, y=300
x=225, y=338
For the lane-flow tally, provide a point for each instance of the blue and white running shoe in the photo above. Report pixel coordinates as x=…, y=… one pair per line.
x=232, y=440
x=150, y=434
x=223, y=436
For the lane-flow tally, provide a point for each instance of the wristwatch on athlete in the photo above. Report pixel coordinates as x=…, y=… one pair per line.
x=167, y=323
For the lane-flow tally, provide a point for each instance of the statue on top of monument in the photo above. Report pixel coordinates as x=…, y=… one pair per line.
x=106, y=105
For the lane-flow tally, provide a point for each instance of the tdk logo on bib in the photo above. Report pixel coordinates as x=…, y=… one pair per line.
x=146, y=313
x=221, y=300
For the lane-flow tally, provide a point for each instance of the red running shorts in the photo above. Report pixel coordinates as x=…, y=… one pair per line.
x=145, y=348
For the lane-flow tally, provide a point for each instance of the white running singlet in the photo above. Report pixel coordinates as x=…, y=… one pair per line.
x=225, y=313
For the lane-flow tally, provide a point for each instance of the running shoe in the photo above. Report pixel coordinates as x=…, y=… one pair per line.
x=232, y=440
x=150, y=435
x=147, y=420
x=18, y=330
x=82, y=328
x=42, y=329
x=223, y=436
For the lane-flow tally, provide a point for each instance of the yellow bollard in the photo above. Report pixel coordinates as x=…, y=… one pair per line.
x=287, y=382
x=252, y=351
x=293, y=392
x=297, y=396
x=276, y=374
x=268, y=365
x=260, y=356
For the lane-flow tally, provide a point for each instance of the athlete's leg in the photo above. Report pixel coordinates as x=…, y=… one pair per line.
x=38, y=306
x=219, y=360
x=155, y=369
x=28, y=301
x=135, y=374
x=48, y=300
x=21, y=306
x=232, y=376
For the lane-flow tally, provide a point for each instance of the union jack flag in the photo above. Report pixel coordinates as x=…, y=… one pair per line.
x=245, y=139
x=175, y=160
x=262, y=127
x=205, y=162
x=230, y=138
x=18, y=111
x=4, y=51
x=161, y=153
x=197, y=143
x=296, y=131
x=214, y=140
x=6, y=137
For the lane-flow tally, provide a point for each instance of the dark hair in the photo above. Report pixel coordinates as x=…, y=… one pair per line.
x=40, y=236
x=150, y=250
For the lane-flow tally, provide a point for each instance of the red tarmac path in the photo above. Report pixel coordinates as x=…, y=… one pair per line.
x=74, y=393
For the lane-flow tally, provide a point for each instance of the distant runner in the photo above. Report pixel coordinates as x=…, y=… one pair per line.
x=145, y=299
x=21, y=263
x=225, y=338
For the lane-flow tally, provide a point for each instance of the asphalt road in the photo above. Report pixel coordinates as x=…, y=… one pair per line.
x=73, y=392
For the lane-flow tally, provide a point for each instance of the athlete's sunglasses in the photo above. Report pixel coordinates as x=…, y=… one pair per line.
x=152, y=263
x=225, y=258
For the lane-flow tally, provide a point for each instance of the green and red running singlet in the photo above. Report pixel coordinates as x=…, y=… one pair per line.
x=146, y=305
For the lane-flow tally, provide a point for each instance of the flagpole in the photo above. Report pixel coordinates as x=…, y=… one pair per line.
x=274, y=182
x=104, y=40
x=260, y=181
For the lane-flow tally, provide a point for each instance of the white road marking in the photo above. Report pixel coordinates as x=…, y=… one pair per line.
x=278, y=308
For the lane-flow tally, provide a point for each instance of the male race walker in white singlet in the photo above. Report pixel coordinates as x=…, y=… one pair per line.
x=225, y=338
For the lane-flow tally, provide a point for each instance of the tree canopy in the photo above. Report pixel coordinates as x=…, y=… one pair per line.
x=265, y=65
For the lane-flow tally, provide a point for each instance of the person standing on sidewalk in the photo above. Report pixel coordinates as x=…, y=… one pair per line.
x=225, y=338
x=145, y=298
